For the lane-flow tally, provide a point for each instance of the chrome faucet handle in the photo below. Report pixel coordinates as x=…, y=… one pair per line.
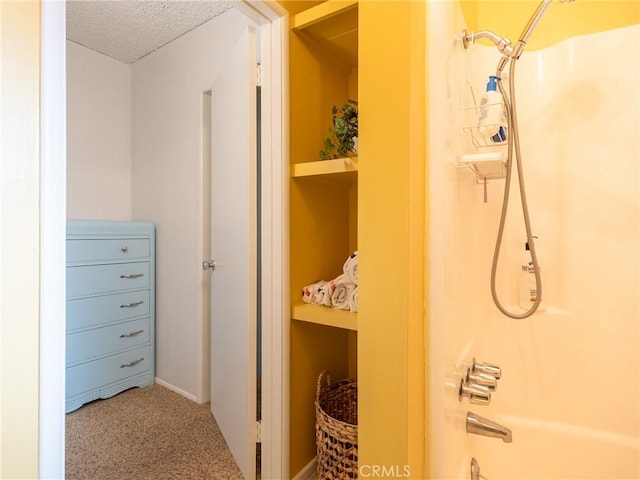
x=483, y=379
x=477, y=394
x=489, y=368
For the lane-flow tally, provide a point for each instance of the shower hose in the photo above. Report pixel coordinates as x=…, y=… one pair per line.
x=514, y=147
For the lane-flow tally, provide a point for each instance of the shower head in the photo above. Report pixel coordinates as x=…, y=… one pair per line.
x=534, y=20
x=503, y=44
x=531, y=25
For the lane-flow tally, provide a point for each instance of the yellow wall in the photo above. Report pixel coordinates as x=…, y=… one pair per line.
x=391, y=387
x=561, y=20
x=19, y=243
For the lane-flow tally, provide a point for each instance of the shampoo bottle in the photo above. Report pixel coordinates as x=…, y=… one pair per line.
x=490, y=114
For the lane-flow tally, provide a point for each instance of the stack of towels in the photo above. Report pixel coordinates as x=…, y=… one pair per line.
x=340, y=293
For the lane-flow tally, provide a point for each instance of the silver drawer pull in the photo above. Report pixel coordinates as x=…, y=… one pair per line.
x=131, y=334
x=132, y=275
x=124, y=248
x=131, y=364
x=134, y=304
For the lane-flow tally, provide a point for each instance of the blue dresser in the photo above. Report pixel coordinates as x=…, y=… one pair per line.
x=110, y=309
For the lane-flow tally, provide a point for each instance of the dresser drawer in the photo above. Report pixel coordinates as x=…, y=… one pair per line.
x=87, y=344
x=94, y=311
x=98, y=250
x=98, y=373
x=96, y=279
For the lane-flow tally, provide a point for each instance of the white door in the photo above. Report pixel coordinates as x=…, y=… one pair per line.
x=234, y=250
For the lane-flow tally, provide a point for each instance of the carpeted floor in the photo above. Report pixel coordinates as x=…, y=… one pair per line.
x=146, y=433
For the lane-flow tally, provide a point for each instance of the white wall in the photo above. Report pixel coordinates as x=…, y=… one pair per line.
x=99, y=136
x=52, y=235
x=168, y=87
x=19, y=238
x=570, y=386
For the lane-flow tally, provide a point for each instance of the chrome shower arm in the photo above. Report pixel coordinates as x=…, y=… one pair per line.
x=503, y=44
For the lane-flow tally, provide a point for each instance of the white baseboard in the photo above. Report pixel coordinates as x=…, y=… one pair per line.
x=176, y=389
x=308, y=472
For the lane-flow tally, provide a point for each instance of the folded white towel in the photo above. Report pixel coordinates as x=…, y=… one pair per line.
x=350, y=268
x=309, y=292
x=323, y=295
x=353, y=300
x=342, y=292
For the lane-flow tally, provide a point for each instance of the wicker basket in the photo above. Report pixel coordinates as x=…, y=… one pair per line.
x=336, y=428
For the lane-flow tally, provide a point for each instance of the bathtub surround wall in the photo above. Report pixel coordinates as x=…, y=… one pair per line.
x=570, y=385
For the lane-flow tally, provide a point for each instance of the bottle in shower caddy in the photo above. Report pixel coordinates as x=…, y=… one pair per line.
x=527, y=286
x=491, y=114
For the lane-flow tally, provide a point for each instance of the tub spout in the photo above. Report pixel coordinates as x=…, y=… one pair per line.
x=483, y=426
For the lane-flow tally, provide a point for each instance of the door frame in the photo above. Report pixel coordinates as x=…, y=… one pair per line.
x=273, y=21
x=273, y=31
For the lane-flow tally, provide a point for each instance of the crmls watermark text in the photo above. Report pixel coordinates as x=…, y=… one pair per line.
x=384, y=471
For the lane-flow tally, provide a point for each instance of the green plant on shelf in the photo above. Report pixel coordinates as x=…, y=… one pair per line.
x=343, y=135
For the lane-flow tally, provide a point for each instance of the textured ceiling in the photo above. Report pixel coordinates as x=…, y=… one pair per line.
x=127, y=30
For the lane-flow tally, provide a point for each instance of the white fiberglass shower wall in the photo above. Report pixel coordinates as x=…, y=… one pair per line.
x=570, y=373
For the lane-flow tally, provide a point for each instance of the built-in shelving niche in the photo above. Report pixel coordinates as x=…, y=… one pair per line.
x=340, y=171
x=323, y=51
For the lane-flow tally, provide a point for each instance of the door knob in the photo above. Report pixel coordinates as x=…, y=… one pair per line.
x=210, y=265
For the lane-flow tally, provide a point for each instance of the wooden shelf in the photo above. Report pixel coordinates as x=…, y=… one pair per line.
x=320, y=13
x=334, y=25
x=325, y=316
x=339, y=169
